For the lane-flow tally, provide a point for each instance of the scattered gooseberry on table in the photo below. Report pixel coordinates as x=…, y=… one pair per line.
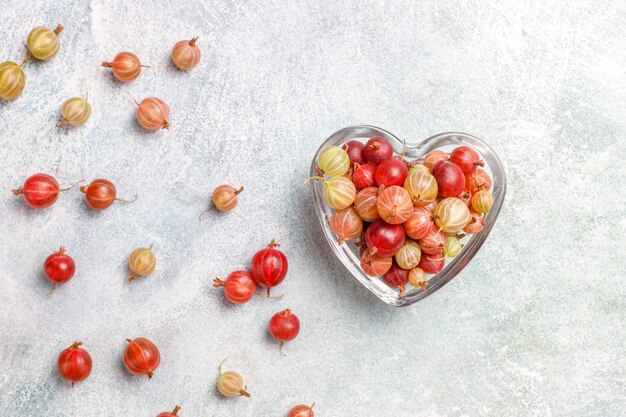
x=40, y=190
x=59, y=267
x=377, y=150
x=365, y=204
x=125, y=66
x=482, y=201
x=74, y=363
x=101, y=193
x=417, y=278
x=346, y=224
x=432, y=157
x=239, y=287
x=142, y=262
x=174, y=413
x=408, y=256
x=432, y=263
x=152, y=113
x=394, y=205
x=363, y=176
x=354, y=148
x=475, y=224
x=12, y=80
x=43, y=43
x=333, y=161
x=450, y=178
x=384, y=239
x=397, y=277
x=230, y=383
x=141, y=357
x=422, y=187
x=391, y=172
x=451, y=214
x=420, y=224
x=433, y=243
x=186, y=54
x=453, y=247
x=375, y=265
x=284, y=326
x=269, y=266
x=224, y=198
x=302, y=410
x=75, y=112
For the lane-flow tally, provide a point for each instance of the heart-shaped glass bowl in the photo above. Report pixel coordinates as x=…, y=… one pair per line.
x=348, y=253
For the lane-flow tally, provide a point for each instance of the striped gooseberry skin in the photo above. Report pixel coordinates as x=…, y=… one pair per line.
x=375, y=265
x=186, y=54
x=384, y=239
x=420, y=224
x=74, y=363
x=75, y=112
x=482, y=201
x=141, y=357
x=432, y=157
x=99, y=194
x=346, y=224
x=475, y=224
x=417, y=278
x=239, y=287
x=396, y=277
x=174, y=413
x=477, y=180
x=394, y=205
x=302, y=410
x=152, y=114
x=466, y=158
x=125, y=66
x=363, y=176
x=355, y=151
x=365, y=204
x=225, y=198
x=142, y=262
x=269, y=266
x=408, y=256
x=432, y=263
x=333, y=161
x=451, y=214
x=339, y=192
x=433, y=243
x=43, y=43
x=12, y=80
x=39, y=191
x=422, y=187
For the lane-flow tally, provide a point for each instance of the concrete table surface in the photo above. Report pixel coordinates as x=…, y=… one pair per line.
x=534, y=326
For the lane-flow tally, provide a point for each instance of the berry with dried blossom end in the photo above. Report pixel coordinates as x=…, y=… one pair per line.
x=125, y=66
x=284, y=326
x=141, y=356
x=43, y=43
x=417, y=278
x=186, y=54
x=74, y=363
x=12, y=80
x=142, y=262
x=230, y=383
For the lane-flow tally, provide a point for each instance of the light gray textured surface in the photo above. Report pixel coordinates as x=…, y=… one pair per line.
x=535, y=325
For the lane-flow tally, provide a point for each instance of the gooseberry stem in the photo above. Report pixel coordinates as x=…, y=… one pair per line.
x=58, y=29
x=121, y=200
x=192, y=42
x=244, y=392
x=131, y=96
x=150, y=374
x=75, y=345
x=176, y=410
x=28, y=56
x=62, y=123
x=71, y=186
x=131, y=279
x=218, y=282
x=17, y=191
x=281, y=349
x=273, y=297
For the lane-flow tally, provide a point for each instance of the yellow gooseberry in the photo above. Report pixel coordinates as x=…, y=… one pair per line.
x=75, y=111
x=409, y=255
x=482, y=201
x=12, y=80
x=142, y=262
x=43, y=43
x=422, y=187
x=451, y=214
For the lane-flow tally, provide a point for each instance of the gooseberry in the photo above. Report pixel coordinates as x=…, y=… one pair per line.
x=141, y=357
x=239, y=287
x=142, y=262
x=451, y=214
x=186, y=54
x=477, y=180
x=75, y=112
x=284, y=326
x=74, y=363
x=432, y=263
x=333, y=161
x=43, y=43
x=408, y=256
x=391, y=172
x=224, y=198
x=482, y=201
x=126, y=66
x=355, y=151
x=339, y=192
x=40, y=190
x=230, y=383
x=475, y=224
x=365, y=204
x=269, y=266
x=450, y=178
x=433, y=243
x=346, y=224
x=466, y=158
x=174, y=413
x=375, y=265
x=384, y=239
x=432, y=157
x=152, y=113
x=422, y=187
x=101, y=193
x=59, y=268
x=363, y=176
x=453, y=247
x=12, y=80
x=417, y=278
x=420, y=224
x=377, y=150
x=419, y=167
x=397, y=277
x=302, y=410
x=394, y=205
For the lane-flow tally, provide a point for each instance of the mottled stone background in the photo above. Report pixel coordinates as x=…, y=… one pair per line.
x=534, y=326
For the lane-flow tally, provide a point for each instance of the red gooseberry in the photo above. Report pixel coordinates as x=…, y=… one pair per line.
x=475, y=224
x=302, y=410
x=174, y=413
x=384, y=239
x=346, y=224
x=152, y=113
x=432, y=157
x=40, y=190
x=354, y=148
x=284, y=326
x=477, y=180
x=363, y=176
x=377, y=150
x=433, y=243
x=59, y=267
x=394, y=204
x=391, y=172
x=239, y=287
x=365, y=204
x=450, y=178
x=74, y=363
x=466, y=158
x=101, y=193
x=269, y=266
x=432, y=263
x=375, y=265
x=141, y=357
x=397, y=277
x=126, y=66
x=420, y=224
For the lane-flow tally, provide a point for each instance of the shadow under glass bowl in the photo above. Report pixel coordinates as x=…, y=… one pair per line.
x=348, y=253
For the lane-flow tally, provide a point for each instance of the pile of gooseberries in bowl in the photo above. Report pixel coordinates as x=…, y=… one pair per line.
x=405, y=218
